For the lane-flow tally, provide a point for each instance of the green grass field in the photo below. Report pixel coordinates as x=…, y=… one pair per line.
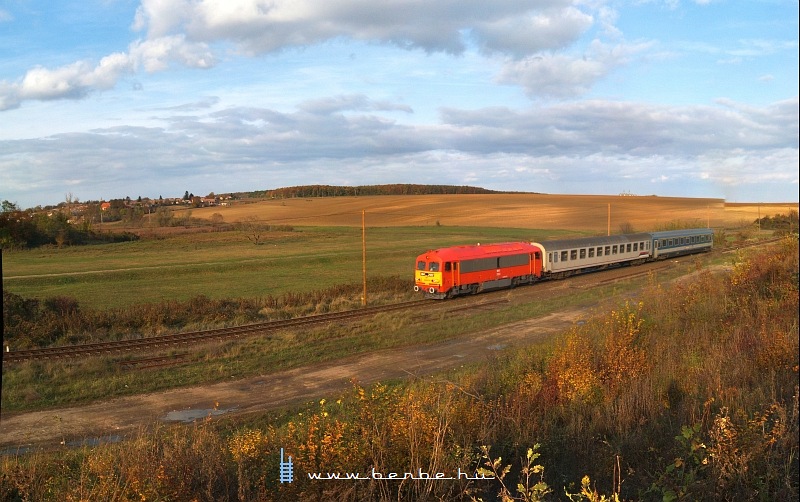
x=227, y=264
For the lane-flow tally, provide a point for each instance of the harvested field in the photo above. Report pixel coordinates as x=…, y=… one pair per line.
x=581, y=213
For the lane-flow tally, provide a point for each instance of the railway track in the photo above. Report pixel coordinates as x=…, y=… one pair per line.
x=156, y=342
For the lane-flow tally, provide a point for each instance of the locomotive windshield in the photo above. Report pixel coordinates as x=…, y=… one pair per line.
x=432, y=266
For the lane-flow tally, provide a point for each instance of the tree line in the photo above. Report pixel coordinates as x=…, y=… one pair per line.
x=30, y=229
x=391, y=189
x=786, y=222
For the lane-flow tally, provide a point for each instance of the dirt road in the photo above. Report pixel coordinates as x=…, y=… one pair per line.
x=122, y=416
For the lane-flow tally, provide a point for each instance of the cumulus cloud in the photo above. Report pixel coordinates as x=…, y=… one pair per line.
x=183, y=32
x=261, y=26
x=76, y=80
x=565, y=76
x=70, y=81
x=532, y=32
x=156, y=54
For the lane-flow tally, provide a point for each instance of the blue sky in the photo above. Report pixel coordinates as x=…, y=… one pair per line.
x=115, y=98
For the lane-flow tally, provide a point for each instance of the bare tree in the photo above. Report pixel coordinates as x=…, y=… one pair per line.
x=252, y=229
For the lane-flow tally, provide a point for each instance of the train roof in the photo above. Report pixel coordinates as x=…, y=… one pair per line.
x=470, y=252
x=669, y=234
x=586, y=242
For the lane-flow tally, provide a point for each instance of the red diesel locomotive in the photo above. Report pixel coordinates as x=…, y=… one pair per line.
x=447, y=272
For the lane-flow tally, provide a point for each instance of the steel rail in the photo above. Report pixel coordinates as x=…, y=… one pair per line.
x=135, y=344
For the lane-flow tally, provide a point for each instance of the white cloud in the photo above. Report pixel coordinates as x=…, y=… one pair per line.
x=155, y=54
x=566, y=76
x=259, y=26
x=183, y=31
x=76, y=80
x=533, y=31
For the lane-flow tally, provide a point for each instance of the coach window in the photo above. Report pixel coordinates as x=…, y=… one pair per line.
x=564, y=256
x=614, y=249
x=600, y=251
x=608, y=250
x=636, y=246
x=628, y=248
x=573, y=254
x=583, y=254
x=591, y=252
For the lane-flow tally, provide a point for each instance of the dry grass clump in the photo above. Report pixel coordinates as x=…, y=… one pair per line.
x=61, y=320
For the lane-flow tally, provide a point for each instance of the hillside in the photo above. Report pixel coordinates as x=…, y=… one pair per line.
x=582, y=213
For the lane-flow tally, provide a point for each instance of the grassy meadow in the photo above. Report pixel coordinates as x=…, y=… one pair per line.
x=227, y=264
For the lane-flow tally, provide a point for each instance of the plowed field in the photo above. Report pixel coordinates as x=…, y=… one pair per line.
x=581, y=213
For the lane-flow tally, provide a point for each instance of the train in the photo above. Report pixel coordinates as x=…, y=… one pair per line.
x=470, y=269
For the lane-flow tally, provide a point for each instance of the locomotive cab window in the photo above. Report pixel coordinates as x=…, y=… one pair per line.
x=434, y=267
x=447, y=266
x=421, y=265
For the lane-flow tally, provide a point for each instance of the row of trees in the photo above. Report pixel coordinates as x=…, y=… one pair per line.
x=393, y=189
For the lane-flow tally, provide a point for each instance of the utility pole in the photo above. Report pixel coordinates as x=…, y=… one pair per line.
x=759, y=217
x=609, y=220
x=364, y=256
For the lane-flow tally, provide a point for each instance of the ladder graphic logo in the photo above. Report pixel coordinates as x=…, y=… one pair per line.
x=286, y=470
